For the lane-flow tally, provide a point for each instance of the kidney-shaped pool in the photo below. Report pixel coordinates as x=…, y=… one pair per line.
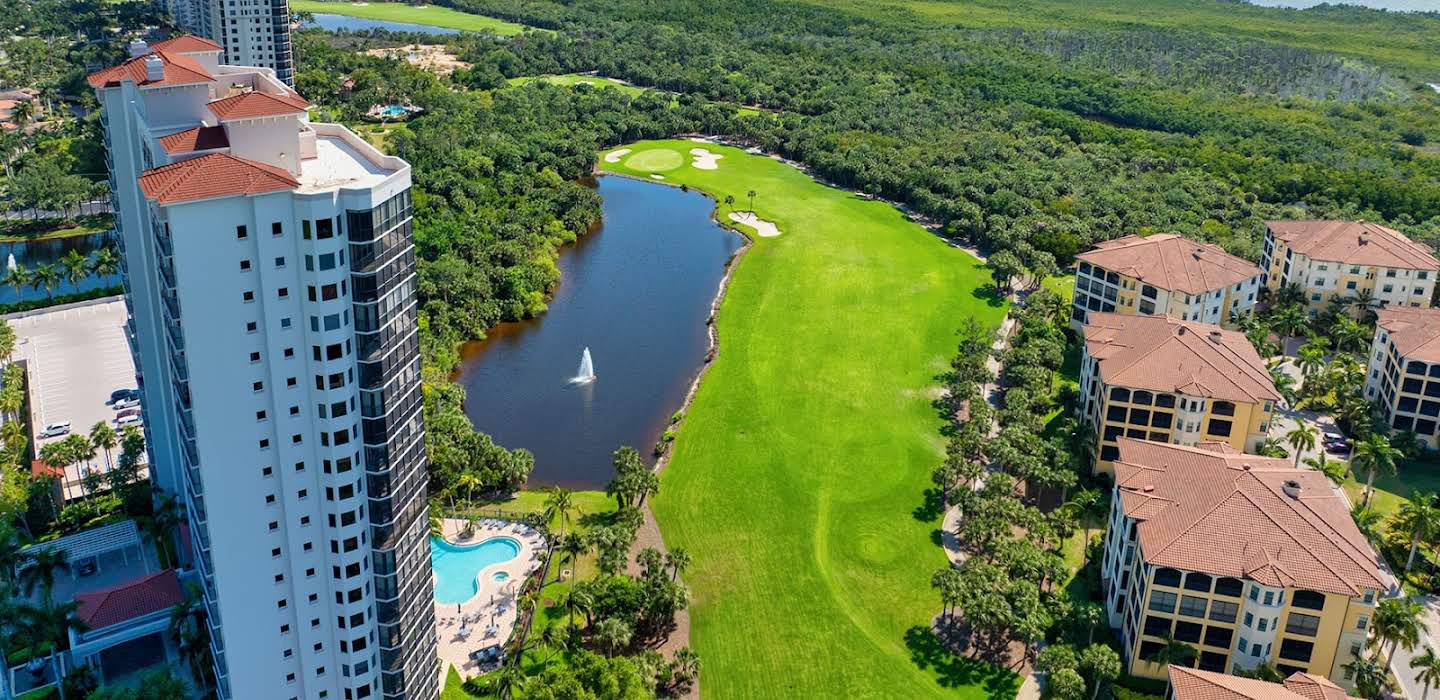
x=456, y=566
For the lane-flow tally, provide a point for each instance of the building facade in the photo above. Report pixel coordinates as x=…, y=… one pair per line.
x=1294, y=585
x=269, y=277
x=1348, y=260
x=1163, y=379
x=1404, y=373
x=1163, y=275
x=249, y=32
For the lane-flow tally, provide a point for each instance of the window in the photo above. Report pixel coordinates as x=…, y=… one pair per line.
x=1192, y=606
x=276, y=229
x=280, y=261
x=1296, y=650
x=1187, y=632
x=1223, y=611
x=257, y=386
x=259, y=415
x=285, y=322
x=244, y=265
x=248, y=296
x=1310, y=600
x=1299, y=623
x=251, y=327
x=284, y=293
x=1167, y=577
x=1229, y=587
x=1362, y=622
x=1249, y=619
x=1243, y=645
x=1218, y=428
x=1218, y=636
x=240, y=232
x=1197, y=582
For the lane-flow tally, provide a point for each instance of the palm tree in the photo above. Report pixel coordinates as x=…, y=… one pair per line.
x=1289, y=321
x=751, y=195
x=1428, y=663
x=1302, y=438
x=1421, y=519
x=160, y=526
x=1398, y=621
x=1284, y=383
x=9, y=552
x=730, y=201
x=1173, y=652
x=40, y=567
x=678, y=560
x=1272, y=447
x=685, y=666
x=75, y=267
x=1349, y=334
x=1371, y=679
x=1374, y=454
x=45, y=276
x=1310, y=360
x=555, y=637
x=17, y=278
x=469, y=481
x=22, y=113
x=1367, y=521
x=52, y=623
x=558, y=504
x=1334, y=469
x=578, y=600
x=613, y=634
x=1085, y=505
x=104, y=438
x=105, y=263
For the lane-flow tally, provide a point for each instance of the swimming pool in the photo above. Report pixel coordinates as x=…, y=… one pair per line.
x=456, y=566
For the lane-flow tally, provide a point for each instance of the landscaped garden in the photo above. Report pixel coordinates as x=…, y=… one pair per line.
x=431, y=15
x=798, y=481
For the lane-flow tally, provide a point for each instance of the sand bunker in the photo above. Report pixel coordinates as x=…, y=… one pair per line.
x=704, y=159
x=616, y=155
x=763, y=228
x=657, y=176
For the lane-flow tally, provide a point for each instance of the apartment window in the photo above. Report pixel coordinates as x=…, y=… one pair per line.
x=1160, y=601
x=265, y=444
x=284, y=293
x=1243, y=645
x=281, y=604
x=1197, y=582
x=1309, y=600
x=1218, y=636
x=267, y=471
x=1299, y=623
x=285, y=322
x=1388, y=288
x=289, y=353
x=240, y=232
x=287, y=653
x=254, y=357
x=296, y=439
x=1218, y=428
x=1362, y=622
x=1192, y=606
x=305, y=229
x=251, y=327
x=276, y=551
x=257, y=386
x=1167, y=577
x=259, y=415
x=1249, y=619
x=248, y=296
x=1296, y=650
x=294, y=410
x=276, y=229
x=1223, y=611
x=244, y=265
x=310, y=573
x=1187, y=632
x=290, y=381
x=274, y=526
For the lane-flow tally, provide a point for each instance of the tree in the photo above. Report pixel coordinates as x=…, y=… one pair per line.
x=23, y=113
x=1302, y=439
x=1004, y=266
x=75, y=267
x=1398, y=621
x=1427, y=673
x=1371, y=679
x=40, y=567
x=613, y=634
x=105, y=263
x=7, y=341
x=1367, y=521
x=1374, y=454
x=45, y=276
x=678, y=560
x=1336, y=470
x=730, y=201
x=685, y=667
x=1101, y=664
x=1419, y=517
x=1066, y=684
x=751, y=195
x=1173, y=652
x=1272, y=447
x=1087, y=504
x=160, y=526
x=104, y=438
x=559, y=503
x=950, y=583
x=52, y=623
x=17, y=278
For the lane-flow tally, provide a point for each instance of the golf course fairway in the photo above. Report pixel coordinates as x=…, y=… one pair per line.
x=801, y=465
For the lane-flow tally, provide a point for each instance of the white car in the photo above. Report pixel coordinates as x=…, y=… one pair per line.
x=129, y=419
x=55, y=430
x=127, y=402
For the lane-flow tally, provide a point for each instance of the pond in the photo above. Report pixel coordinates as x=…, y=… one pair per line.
x=335, y=23
x=637, y=293
x=32, y=253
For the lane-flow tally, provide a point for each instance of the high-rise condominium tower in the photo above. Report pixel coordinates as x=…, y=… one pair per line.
x=269, y=275
x=250, y=32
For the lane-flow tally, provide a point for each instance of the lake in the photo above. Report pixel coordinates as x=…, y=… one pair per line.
x=29, y=254
x=335, y=23
x=637, y=292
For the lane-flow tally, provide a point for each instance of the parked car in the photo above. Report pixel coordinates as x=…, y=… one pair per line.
x=55, y=430
x=121, y=394
x=131, y=419
x=127, y=412
x=127, y=402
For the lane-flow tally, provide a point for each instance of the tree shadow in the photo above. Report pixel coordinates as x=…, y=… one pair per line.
x=990, y=294
x=932, y=508
x=931, y=654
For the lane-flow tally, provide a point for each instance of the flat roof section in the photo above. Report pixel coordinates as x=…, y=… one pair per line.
x=76, y=357
x=338, y=164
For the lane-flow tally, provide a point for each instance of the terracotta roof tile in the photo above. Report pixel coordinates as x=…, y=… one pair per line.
x=187, y=43
x=1194, y=684
x=1187, y=498
x=250, y=105
x=214, y=175
x=179, y=70
x=1415, y=332
x=1315, y=687
x=127, y=601
x=1160, y=353
x=202, y=138
x=1354, y=243
x=1172, y=262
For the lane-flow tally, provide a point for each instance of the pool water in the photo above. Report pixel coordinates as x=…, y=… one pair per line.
x=392, y=111
x=456, y=566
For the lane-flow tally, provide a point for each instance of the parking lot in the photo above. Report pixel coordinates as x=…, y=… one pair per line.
x=76, y=357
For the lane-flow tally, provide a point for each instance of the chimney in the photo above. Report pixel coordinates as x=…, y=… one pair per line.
x=1197, y=253
x=1215, y=336
x=1291, y=488
x=154, y=69
x=138, y=48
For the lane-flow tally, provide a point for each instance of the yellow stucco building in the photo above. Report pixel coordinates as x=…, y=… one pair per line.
x=1163, y=275
x=1350, y=260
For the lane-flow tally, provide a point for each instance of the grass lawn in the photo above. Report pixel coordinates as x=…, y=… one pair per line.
x=1391, y=490
x=17, y=230
x=431, y=15
x=572, y=79
x=798, y=482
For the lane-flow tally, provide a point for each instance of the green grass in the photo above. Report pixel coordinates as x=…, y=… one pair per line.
x=573, y=79
x=430, y=15
x=1391, y=490
x=798, y=483
x=49, y=229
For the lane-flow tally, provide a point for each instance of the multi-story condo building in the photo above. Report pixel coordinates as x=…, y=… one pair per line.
x=249, y=32
x=1349, y=260
x=269, y=276
x=1404, y=376
x=1163, y=275
x=1248, y=559
x=1194, y=684
x=1182, y=382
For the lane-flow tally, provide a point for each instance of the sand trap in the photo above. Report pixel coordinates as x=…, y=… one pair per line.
x=616, y=155
x=656, y=176
x=705, y=160
x=763, y=228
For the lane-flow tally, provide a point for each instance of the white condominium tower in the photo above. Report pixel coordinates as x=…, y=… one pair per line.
x=250, y=32
x=270, y=279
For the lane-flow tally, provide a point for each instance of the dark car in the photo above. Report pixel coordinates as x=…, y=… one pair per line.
x=123, y=394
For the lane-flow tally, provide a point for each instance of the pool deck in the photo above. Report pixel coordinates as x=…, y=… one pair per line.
x=495, y=601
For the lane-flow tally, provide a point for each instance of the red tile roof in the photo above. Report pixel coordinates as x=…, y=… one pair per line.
x=179, y=70
x=1194, y=684
x=1354, y=243
x=202, y=138
x=1160, y=353
x=129, y=600
x=250, y=105
x=187, y=43
x=1414, y=332
x=213, y=175
x=1186, y=499
x=1172, y=262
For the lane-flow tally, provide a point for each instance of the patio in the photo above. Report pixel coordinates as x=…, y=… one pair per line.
x=488, y=619
x=100, y=558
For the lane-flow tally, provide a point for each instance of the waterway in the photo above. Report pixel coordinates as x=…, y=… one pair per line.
x=335, y=23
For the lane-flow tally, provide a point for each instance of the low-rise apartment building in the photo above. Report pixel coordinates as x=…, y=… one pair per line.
x=1194, y=684
x=1160, y=275
x=1168, y=380
x=1404, y=375
x=1246, y=558
x=1350, y=260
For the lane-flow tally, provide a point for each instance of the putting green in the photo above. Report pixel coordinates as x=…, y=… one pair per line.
x=798, y=477
x=654, y=161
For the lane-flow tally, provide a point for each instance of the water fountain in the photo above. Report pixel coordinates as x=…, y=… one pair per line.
x=10, y=264
x=586, y=373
